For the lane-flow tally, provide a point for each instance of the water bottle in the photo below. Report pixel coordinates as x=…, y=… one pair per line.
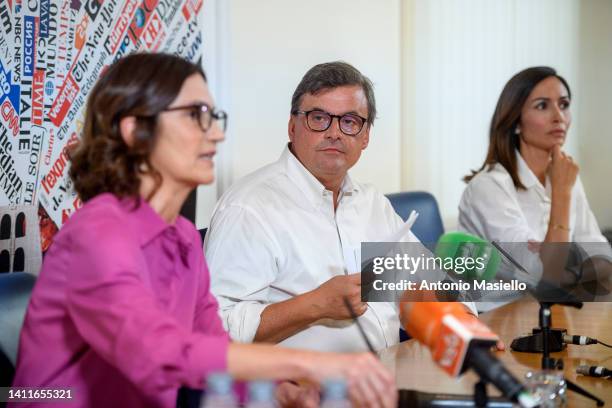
x=261, y=394
x=219, y=392
x=335, y=394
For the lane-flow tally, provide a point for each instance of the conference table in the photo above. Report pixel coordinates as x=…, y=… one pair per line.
x=413, y=368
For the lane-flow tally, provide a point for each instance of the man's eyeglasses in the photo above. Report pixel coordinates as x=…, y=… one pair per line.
x=204, y=115
x=319, y=121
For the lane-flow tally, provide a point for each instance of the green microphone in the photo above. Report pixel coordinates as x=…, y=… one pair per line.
x=473, y=257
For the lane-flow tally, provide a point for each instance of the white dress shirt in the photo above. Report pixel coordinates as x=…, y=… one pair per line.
x=492, y=208
x=275, y=235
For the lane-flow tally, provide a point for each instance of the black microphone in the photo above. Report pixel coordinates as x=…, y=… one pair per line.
x=594, y=371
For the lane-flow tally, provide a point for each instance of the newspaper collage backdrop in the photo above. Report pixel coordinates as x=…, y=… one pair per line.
x=51, y=54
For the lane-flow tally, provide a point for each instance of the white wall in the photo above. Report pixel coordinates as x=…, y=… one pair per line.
x=438, y=67
x=595, y=90
x=215, y=62
x=269, y=45
x=458, y=56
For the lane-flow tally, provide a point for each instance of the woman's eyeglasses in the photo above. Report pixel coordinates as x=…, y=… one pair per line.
x=204, y=115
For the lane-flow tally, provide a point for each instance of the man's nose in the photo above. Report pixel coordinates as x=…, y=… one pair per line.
x=334, y=129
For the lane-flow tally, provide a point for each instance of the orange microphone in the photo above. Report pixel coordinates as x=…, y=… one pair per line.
x=458, y=341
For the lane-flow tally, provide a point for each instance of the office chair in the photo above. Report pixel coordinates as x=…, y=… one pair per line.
x=15, y=291
x=203, y=233
x=427, y=228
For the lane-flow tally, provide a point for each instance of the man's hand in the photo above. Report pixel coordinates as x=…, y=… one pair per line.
x=286, y=318
x=328, y=299
x=292, y=395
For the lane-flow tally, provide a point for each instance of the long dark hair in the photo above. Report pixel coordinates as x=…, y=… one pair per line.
x=503, y=140
x=140, y=85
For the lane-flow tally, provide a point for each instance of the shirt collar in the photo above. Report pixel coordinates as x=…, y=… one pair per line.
x=524, y=172
x=307, y=182
x=148, y=224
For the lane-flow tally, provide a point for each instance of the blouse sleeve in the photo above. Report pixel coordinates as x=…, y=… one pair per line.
x=489, y=208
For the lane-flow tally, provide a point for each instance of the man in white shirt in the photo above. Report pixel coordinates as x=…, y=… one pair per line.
x=283, y=241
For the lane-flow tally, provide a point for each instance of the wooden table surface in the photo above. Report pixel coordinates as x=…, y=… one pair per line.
x=414, y=369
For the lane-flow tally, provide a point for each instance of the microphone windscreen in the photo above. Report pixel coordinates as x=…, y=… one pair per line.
x=461, y=246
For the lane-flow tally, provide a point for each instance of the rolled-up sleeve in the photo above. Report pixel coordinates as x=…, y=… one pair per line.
x=586, y=229
x=489, y=209
x=116, y=313
x=243, y=258
x=207, y=317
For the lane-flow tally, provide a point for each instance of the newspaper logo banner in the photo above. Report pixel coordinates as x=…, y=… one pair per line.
x=6, y=22
x=10, y=182
x=44, y=18
x=29, y=45
x=62, y=102
x=143, y=13
x=191, y=8
x=51, y=55
x=10, y=117
x=120, y=27
x=154, y=33
x=8, y=89
x=38, y=84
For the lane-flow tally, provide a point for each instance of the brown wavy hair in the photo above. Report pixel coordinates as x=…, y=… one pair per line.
x=503, y=141
x=140, y=85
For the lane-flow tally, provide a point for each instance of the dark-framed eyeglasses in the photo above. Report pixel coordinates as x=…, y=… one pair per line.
x=319, y=121
x=203, y=114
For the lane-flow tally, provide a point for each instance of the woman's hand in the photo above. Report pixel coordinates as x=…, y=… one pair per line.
x=563, y=172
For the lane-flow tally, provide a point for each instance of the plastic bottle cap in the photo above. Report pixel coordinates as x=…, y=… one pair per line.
x=261, y=391
x=334, y=389
x=219, y=383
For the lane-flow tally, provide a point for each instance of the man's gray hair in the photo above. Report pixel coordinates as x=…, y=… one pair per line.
x=332, y=75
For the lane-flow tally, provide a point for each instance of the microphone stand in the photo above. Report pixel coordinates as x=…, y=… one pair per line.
x=550, y=363
x=481, y=399
x=545, y=321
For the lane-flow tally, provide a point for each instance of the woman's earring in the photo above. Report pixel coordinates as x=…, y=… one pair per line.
x=517, y=130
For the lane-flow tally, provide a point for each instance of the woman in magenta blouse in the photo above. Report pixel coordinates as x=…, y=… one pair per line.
x=121, y=312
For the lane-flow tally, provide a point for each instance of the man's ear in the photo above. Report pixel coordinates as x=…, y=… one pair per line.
x=127, y=126
x=366, y=137
x=291, y=127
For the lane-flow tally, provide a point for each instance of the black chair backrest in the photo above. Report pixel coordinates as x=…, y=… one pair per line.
x=7, y=371
x=15, y=291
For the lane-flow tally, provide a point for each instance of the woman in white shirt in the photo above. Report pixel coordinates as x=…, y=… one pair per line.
x=528, y=188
